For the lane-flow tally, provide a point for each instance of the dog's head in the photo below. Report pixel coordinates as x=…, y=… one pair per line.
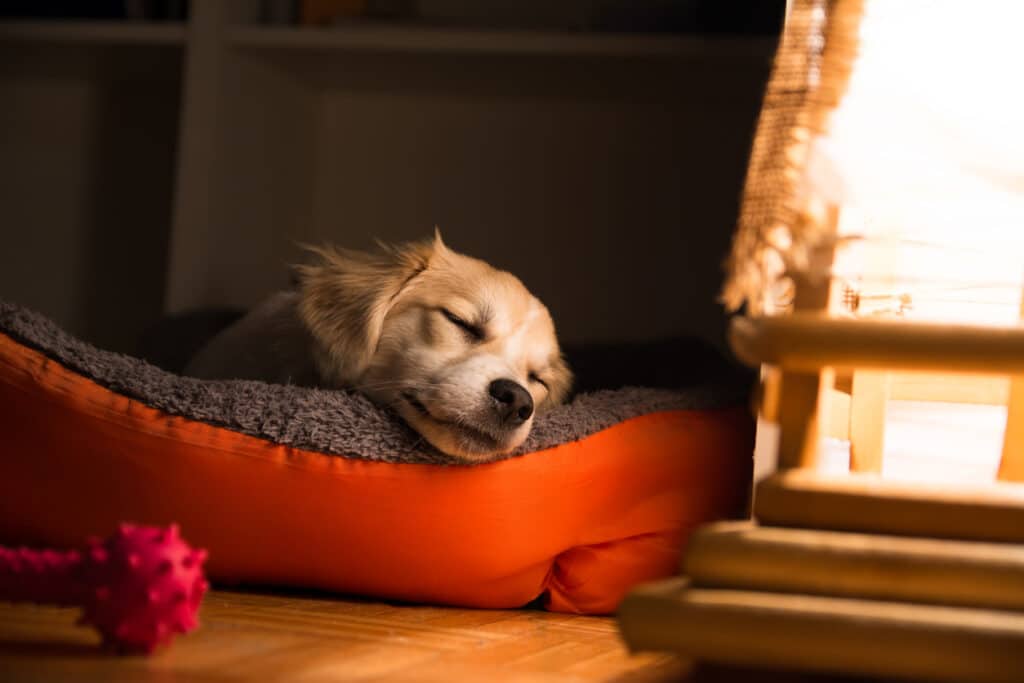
x=461, y=350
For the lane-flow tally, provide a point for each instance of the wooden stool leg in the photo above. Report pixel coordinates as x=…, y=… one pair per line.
x=1011, y=466
x=868, y=399
x=802, y=400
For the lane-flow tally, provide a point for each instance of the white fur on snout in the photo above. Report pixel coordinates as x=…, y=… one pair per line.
x=461, y=394
x=513, y=343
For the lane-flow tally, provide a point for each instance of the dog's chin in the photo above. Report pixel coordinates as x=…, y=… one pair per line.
x=461, y=441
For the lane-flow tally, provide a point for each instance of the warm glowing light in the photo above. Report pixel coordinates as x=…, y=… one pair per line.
x=925, y=155
x=925, y=158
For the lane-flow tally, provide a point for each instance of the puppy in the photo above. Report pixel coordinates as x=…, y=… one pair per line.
x=460, y=350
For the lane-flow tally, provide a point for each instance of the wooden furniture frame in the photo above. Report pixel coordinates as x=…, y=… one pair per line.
x=855, y=573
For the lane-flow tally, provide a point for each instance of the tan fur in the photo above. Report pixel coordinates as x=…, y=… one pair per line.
x=346, y=297
x=378, y=326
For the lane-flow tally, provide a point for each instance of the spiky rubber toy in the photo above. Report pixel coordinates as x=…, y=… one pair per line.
x=138, y=587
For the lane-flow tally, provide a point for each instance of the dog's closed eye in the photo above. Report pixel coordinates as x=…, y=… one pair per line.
x=534, y=377
x=474, y=332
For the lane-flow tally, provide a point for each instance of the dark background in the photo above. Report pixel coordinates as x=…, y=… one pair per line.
x=147, y=176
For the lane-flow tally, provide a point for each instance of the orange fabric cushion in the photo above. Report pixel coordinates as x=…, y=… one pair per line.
x=579, y=523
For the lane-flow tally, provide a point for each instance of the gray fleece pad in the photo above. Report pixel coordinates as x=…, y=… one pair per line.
x=339, y=423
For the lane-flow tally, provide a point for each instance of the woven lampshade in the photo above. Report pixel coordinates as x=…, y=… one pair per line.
x=889, y=159
x=886, y=184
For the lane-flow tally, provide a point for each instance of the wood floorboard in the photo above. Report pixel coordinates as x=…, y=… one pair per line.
x=315, y=639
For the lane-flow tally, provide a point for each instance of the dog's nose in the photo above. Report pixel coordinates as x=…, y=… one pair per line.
x=514, y=403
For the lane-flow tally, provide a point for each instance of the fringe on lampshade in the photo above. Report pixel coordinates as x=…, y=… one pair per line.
x=781, y=227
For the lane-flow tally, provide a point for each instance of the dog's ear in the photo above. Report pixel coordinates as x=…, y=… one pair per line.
x=438, y=249
x=345, y=296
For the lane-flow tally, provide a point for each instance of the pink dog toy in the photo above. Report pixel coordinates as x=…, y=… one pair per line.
x=138, y=588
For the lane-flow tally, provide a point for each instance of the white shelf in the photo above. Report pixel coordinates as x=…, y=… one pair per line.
x=94, y=32
x=426, y=39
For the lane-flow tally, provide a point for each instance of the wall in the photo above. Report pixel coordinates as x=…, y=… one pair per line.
x=87, y=149
x=610, y=186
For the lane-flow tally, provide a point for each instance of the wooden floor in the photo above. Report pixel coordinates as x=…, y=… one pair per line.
x=286, y=637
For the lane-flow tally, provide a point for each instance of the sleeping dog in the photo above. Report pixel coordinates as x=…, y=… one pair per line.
x=462, y=351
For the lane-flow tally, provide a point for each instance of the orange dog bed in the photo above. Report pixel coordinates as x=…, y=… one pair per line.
x=603, y=495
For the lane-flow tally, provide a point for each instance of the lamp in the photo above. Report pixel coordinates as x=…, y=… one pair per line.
x=880, y=258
